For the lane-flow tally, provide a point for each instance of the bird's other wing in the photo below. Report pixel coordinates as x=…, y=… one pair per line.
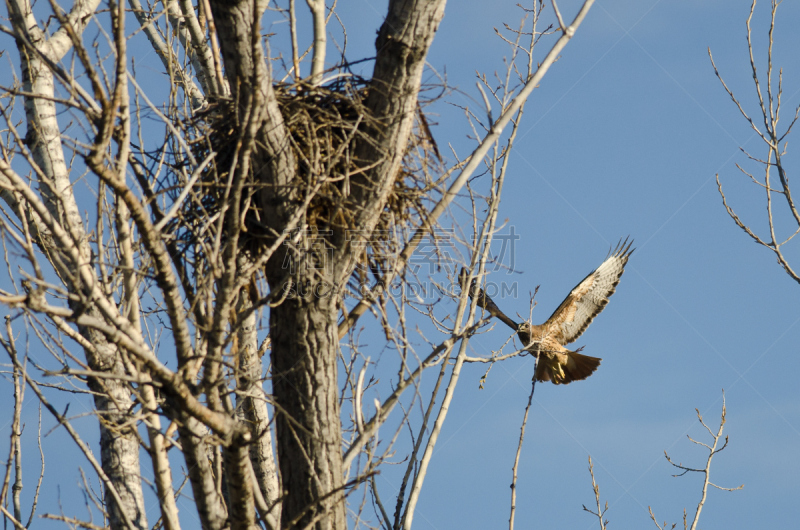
x=484, y=300
x=589, y=297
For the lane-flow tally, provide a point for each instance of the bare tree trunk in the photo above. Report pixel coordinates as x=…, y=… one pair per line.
x=304, y=342
x=119, y=445
x=401, y=46
x=208, y=500
x=304, y=379
x=303, y=327
x=250, y=400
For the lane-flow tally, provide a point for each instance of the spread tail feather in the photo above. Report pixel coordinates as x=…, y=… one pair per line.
x=580, y=366
x=576, y=368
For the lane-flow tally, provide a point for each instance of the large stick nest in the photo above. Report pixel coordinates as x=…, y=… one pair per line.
x=325, y=125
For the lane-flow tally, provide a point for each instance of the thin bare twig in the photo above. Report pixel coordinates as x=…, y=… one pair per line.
x=601, y=510
x=515, y=467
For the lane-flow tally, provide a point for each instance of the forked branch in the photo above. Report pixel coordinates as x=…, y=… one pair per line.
x=713, y=448
x=769, y=104
x=601, y=510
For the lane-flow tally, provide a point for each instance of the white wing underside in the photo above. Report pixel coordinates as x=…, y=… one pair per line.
x=589, y=297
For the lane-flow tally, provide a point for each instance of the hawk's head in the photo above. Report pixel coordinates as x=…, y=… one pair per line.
x=524, y=332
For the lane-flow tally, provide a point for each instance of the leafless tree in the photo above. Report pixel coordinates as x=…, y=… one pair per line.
x=147, y=232
x=774, y=180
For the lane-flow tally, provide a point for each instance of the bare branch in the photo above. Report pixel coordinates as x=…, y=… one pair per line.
x=713, y=449
x=317, y=8
x=516, y=459
x=601, y=511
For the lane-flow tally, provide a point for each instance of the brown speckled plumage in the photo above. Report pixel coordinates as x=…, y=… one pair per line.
x=555, y=362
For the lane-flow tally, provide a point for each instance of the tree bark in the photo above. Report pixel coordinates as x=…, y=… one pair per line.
x=304, y=380
x=250, y=400
x=303, y=327
x=119, y=445
x=246, y=70
x=402, y=45
x=240, y=488
x=210, y=507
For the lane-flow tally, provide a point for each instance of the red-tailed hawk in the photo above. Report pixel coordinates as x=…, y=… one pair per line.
x=567, y=323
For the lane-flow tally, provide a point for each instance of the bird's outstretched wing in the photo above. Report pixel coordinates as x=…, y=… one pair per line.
x=484, y=300
x=589, y=297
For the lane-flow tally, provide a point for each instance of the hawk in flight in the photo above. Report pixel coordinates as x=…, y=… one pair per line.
x=567, y=323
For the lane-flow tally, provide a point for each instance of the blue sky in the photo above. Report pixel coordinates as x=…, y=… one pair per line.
x=623, y=137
